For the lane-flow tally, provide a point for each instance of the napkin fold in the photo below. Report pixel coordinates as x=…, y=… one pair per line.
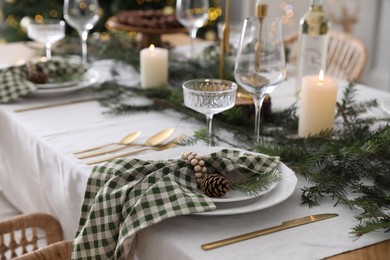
x=126, y=195
x=14, y=80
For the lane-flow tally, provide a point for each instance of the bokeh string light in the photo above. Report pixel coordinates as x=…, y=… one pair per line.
x=288, y=10
x=14, y=12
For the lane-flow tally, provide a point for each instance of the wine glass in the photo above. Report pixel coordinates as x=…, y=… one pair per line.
x=260, y=64
x=192, y=14
x=209, y=97
x=82, y=15
x=48, y=31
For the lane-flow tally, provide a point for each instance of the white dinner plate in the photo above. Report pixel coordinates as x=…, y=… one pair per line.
x=280, y=192
x=385, y=105
x=91, y=77
x=65, y=84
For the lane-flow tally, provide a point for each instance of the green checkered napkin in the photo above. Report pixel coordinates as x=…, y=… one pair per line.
x=61, y=67
x=126, y=195
x=14, y=82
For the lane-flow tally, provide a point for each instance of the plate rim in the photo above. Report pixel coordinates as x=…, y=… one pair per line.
x=385, y=107
x=283, y=190
x=85, y=83
x=57, y=85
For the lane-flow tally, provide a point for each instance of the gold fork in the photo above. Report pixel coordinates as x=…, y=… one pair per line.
x=166, y=146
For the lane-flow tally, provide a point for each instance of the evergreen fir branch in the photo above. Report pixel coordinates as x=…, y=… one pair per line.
x=201, y=135
x=188, y=141
x=118, y=40
x=123, y=109
x=262, y=182
x=373, y=224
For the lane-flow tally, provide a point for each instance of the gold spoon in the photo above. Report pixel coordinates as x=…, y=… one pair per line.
x=124, y=141
x=162, y=147
x=152, y=141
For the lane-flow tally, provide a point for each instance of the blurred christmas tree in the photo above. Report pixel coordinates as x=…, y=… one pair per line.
x=15, y=14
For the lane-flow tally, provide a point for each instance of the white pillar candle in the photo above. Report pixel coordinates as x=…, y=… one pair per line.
x=153, y=67
x=318, y=104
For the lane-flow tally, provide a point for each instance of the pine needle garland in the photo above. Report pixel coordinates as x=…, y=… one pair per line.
x=260, y=183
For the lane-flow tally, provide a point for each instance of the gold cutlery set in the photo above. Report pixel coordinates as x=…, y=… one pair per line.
x=153, y=143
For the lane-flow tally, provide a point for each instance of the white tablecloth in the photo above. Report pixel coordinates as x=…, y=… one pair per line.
x=38, y=172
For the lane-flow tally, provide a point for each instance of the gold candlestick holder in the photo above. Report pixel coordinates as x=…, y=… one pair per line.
x=224, y=40
x=261, y=13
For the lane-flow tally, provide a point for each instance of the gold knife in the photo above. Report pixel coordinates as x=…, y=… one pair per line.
x=285, y=225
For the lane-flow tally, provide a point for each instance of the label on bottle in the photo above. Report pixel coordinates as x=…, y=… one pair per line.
x=313, y=54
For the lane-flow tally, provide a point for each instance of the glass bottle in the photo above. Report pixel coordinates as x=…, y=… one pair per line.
x=313, y=40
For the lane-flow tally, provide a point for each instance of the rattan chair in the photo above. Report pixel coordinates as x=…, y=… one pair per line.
x=347, y=55
x=26, y=233
x=58, y=251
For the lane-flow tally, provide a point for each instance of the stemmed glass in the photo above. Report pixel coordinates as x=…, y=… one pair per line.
x=192, y=14
x=82, y=15
x=48, y=32
x=209, y=97
x=260, y=64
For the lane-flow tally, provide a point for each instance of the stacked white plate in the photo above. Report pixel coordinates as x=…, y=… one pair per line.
x=235, y=202
x=90, y=78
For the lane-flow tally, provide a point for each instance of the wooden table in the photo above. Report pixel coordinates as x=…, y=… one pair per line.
x=378, y=252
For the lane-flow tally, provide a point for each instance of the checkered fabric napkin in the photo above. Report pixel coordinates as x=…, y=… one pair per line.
x=60, y=67
x=126, y=195
x=14, y=82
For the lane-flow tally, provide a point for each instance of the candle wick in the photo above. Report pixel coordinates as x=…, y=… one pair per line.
x=321, y=77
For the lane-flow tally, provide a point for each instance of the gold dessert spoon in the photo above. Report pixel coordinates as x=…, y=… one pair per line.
x=124, y=141
x=152, y=141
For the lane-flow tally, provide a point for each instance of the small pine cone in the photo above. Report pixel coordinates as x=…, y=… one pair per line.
x=215, y=185
x=34, y=75
x=38, y=78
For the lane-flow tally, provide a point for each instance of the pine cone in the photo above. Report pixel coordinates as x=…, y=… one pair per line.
x=215, y=185
x=38, y=78
x=34, y=75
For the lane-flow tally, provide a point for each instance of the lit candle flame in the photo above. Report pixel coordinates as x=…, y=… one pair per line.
x=321, y=77
x=151, y=47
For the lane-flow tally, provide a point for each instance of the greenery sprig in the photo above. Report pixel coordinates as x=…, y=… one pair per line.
x=261, y=183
